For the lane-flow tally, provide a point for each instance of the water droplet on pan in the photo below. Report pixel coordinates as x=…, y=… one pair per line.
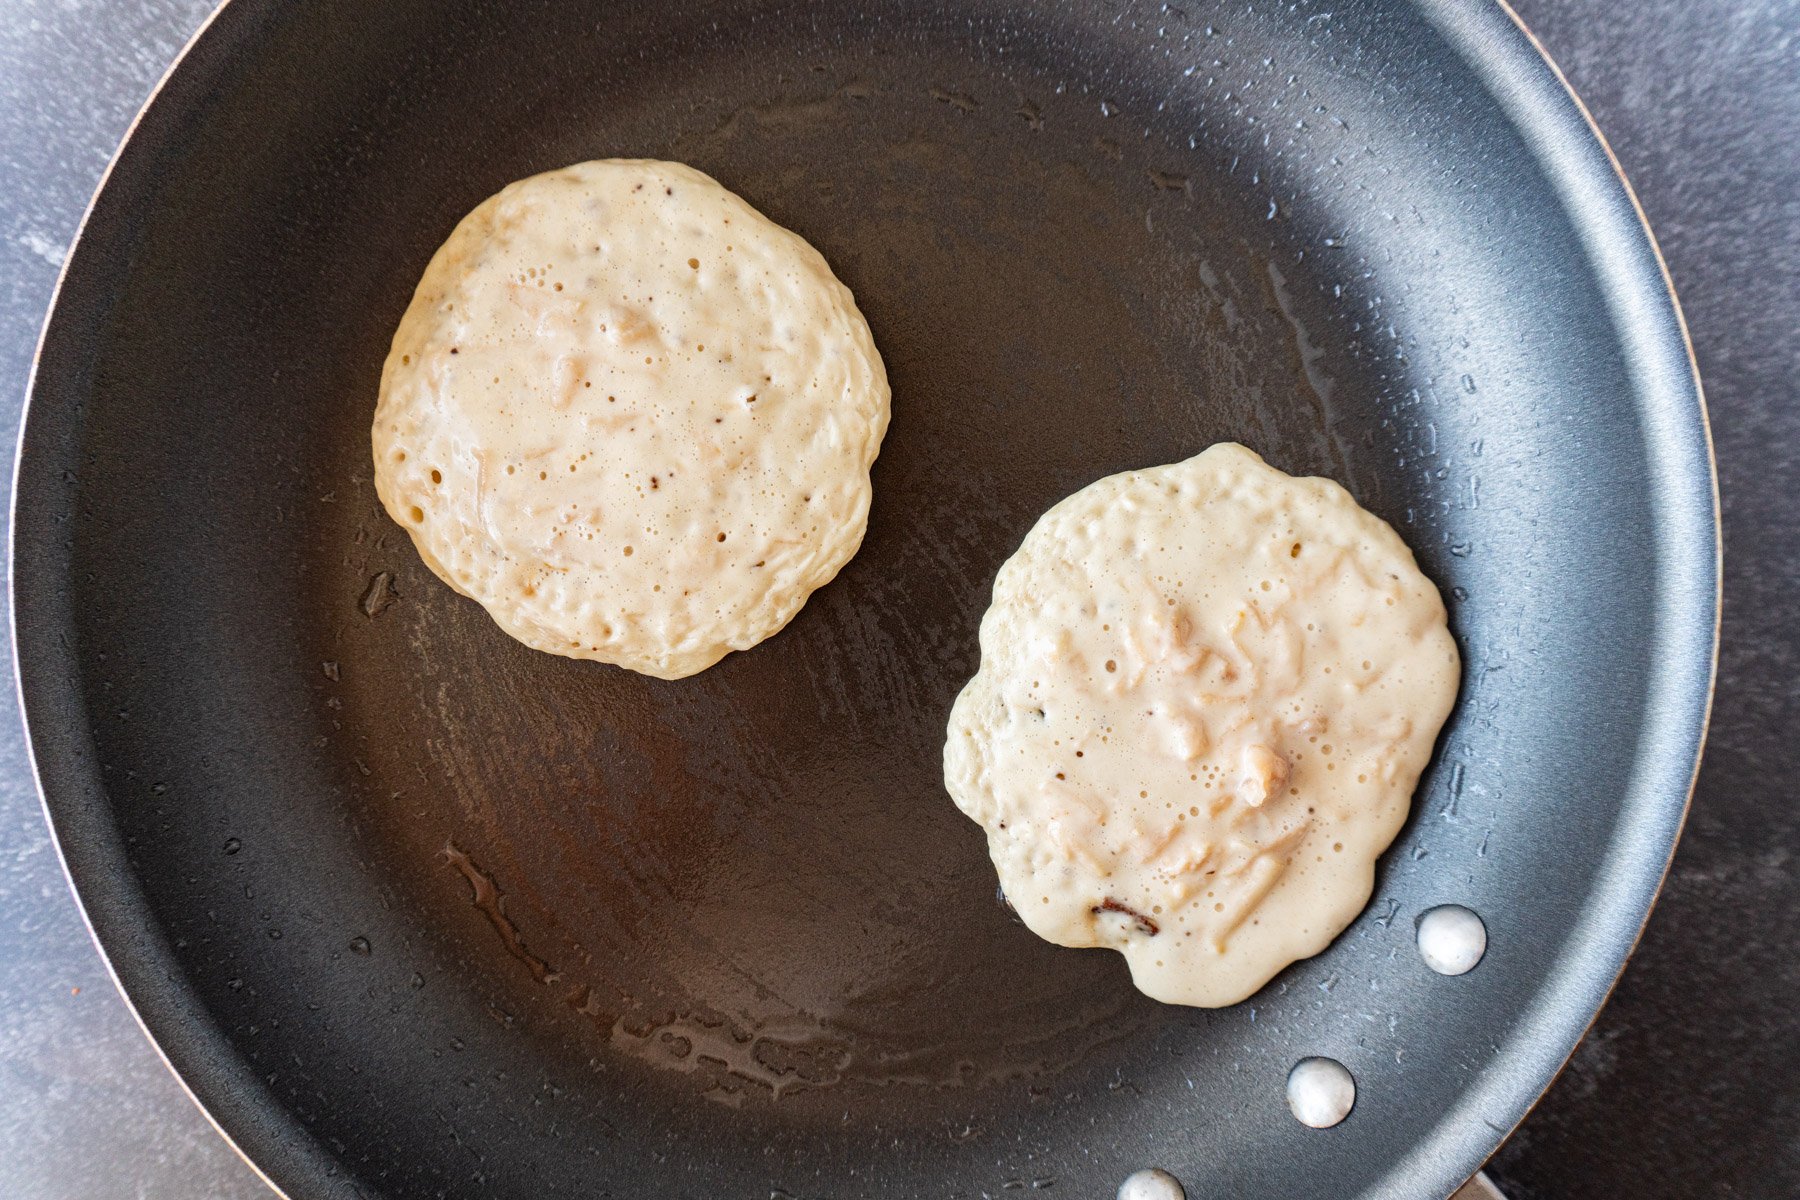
x=379, y=594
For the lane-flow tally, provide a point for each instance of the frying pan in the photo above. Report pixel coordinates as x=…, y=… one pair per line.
x=415, y=911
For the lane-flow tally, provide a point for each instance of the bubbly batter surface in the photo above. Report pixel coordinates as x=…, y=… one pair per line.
x=631, y=416
x=1206, y=694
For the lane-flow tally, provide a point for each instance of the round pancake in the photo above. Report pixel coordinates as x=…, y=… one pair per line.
x=1206, y=694
x=631, y=416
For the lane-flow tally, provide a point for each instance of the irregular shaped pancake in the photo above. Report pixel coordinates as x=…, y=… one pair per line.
x=631, y=416
x=1206, y=694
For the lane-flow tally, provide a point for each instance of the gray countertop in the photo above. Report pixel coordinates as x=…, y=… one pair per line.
x=1686, y=1087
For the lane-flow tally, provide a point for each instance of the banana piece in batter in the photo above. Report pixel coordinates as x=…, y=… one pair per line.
x=631, y=416
x=1206, y=693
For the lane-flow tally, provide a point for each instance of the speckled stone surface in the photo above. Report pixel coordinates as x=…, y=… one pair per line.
x=1688, y=1085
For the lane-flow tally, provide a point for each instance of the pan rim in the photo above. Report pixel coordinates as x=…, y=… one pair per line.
x=1495, y=42
x=83, y=903
x=1607, y=979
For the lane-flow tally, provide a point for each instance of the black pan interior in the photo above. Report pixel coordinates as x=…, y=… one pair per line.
x=420, y=912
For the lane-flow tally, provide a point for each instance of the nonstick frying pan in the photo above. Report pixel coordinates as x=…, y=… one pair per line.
x=415, y=911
